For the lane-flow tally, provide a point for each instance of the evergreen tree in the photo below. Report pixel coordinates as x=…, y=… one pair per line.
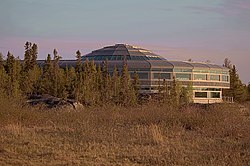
x=58, y=79
x=13, y=68
x=175, y=93
x=1, y=61
x=47, y=82
x=127, y=94
x=27, y=57
x=227, y=63
x=116, y=83
x=34, y=54
x=31, y=73
x=237, y=89
x=78, y=62
x=3, y=76
x=105, y=85
x=9, y=63
x=70, y=81
x=165, y=91
x=136, y=83
x=248, y=89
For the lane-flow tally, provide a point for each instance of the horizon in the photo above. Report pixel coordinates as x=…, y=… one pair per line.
x=176, y=30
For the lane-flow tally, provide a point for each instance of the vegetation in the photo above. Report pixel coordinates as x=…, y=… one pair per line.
x=115, y=135
x=237, y=89
x=116, y=126
x=87, y=83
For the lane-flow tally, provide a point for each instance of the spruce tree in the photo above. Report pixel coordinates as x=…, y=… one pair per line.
x=27, y=57
x=248, y=89
x=136, y=83
x=1, y=61
x=127, y=95
x=13, y=68
x=175, y=93
x=165, y=91
x=57, y=76
x=105, y=84
x=237, y=89
x=47, y=82
x=31, y=73
x=34, y=54
x=3, y=76
x=116, y=83
x=70, y=77
x=78, y=62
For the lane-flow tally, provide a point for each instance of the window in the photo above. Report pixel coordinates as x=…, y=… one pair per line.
x=215, y=71
x=215, y=77
x=145, y=88
x=162, y=76
x=138, y=69
x=201, y=94
x=108, y=57
x=200, y=71
x=183, y=76
x=119, y=58
x=162, y=69
x=225, y=72
x=200, y=77
x=143, y=75
x=225, y=78
x=215, y=95
x=182, y=70
x=113, y=58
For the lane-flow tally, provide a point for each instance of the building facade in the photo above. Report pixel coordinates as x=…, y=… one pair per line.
x=207, y=80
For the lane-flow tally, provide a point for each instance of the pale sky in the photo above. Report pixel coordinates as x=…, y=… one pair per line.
x=175, y=29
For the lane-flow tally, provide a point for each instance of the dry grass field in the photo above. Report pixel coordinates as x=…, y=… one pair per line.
x=145, y=135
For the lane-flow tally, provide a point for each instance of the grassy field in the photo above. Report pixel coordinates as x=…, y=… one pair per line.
x=146, y=135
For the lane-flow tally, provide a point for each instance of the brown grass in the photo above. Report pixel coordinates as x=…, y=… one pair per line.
x=147, y=135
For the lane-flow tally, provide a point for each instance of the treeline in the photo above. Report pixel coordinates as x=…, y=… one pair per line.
x=91, y=84
x=86, y=82
x=239, y=91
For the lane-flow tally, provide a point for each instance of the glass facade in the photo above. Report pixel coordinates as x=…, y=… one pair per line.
x=200, y=71
x=225, y=78
x=207, y=89
x=215, y=77
x=162, y=76
x=216, y=71
x=183, y=70
x=120, y=57
x=180, y=76
x=215, y=95
x=200, y=77
x=209, y=79
x=162, y=69
x=201, y=94
x=143, y=75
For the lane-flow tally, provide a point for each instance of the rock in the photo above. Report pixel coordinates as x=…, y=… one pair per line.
x=54, y=102
x=77, y=106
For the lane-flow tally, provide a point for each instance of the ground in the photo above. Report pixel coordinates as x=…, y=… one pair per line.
x=112, y=135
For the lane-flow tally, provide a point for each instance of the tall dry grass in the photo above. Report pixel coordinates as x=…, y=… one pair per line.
x=146, y=135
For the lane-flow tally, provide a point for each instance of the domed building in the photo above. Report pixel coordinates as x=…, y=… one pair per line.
x=208, y=80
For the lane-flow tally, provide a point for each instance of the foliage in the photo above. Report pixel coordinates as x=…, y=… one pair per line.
x=237, y=89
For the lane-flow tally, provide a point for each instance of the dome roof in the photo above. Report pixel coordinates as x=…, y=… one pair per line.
x=120, y=52
x=137, y=57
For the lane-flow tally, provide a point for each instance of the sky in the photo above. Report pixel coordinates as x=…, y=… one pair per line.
x=200, y=30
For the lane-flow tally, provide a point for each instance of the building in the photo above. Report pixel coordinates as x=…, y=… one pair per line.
x=208, y=80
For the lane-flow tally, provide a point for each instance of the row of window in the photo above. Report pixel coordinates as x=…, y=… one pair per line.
x=119, y=58
x=205, y=95
x=207, y=89
x=224, y=78
x=183, y=77
x=211, y=71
